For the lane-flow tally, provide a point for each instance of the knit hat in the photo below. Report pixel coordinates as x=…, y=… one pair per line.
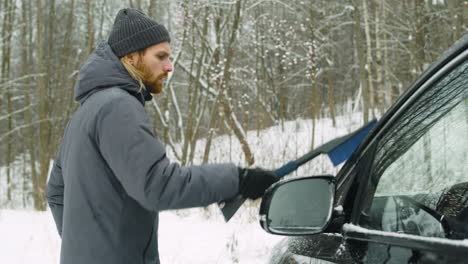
x=133, y=31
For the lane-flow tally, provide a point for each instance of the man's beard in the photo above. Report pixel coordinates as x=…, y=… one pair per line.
x=153, y=84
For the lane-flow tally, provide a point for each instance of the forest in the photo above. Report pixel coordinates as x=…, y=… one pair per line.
x=239, y=65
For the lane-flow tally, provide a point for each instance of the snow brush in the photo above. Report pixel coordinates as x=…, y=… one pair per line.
x=338, y=150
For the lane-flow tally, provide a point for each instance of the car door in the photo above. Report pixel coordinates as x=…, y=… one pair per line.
x=410, y=200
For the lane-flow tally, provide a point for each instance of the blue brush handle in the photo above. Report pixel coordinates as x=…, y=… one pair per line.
x=286, y=169
x=229, y=207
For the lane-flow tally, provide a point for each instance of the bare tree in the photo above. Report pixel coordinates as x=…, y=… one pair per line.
x=7, y=32
x=378, y=57
x=44, y=125
x=28, y=116
x=360, y=56
x=223, y=100
x=369, y=59
x=89, y=26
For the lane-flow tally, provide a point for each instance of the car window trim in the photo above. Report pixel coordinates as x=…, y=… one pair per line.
x=439, y=245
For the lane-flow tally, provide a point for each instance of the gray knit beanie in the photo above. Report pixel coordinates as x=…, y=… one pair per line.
x=133, y=31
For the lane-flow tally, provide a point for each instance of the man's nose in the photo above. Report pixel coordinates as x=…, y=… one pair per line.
x=168, y=67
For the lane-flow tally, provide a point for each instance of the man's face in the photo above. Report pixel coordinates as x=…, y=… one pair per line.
x=155, y=66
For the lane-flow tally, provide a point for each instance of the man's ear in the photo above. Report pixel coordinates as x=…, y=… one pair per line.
x=132, y=58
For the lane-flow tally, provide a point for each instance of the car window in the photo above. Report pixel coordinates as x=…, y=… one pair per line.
x=419, y=177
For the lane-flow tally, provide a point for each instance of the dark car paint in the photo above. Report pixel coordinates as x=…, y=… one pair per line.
x=336, y=245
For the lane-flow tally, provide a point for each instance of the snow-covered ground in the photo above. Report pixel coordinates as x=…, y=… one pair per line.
x=194, y=237
x=186, y=236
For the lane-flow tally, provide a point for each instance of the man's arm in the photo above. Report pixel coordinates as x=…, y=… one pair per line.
x=54, y=194
x=139, y=162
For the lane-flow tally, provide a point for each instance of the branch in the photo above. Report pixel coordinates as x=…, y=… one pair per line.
x=271, y=1
x=9, y=82
x=210, y=90
x=164, y=123
x=27, y=125
x=16, y=112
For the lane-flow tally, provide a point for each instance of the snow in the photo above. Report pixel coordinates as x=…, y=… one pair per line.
x=212, y=240
x=28, y=237
x=338, y=209
x=191, y=236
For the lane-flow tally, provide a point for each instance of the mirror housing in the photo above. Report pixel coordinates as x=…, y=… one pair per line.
x=300, y=206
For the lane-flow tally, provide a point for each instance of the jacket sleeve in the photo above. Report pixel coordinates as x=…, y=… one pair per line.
x=139, y=161
x=54, y=194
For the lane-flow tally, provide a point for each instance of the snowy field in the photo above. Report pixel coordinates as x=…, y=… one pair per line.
x=31, y=237
x=187, y=236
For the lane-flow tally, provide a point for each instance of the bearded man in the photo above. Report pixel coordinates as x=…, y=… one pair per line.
x=111, y=176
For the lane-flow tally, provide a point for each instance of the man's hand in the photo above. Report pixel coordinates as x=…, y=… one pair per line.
x=254, y=182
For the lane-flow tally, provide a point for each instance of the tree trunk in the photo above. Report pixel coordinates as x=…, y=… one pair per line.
x=192, y=101
x=215, y=116
x=50, y=47
x=456, y=8
x=362, y=70
x=51, y=74
x=259, y=53
x=387, y=84
x=314, y=108
x=10, y=152
x=214, y=120
x=7, y=31
x=222, y=99
x=462, y=18
x=27, y=114
x=427, y=157
x=89, y=27
x=201, y=107
x=101, y=22
x=65, y=91
x=230, y=115
x=138, y=4
x=312, y=65
x=152, y=4
x=369, y=58
x=282, y=94
x=378, y=61
x=44, y=125
x=331, y=96
x=261, y=75
x=419, y=42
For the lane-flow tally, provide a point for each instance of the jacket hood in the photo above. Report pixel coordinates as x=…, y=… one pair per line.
x=104, y=70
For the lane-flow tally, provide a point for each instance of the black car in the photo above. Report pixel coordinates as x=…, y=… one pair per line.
x=402, y=197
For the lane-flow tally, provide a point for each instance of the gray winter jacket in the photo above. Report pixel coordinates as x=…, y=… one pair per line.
x=112, y=176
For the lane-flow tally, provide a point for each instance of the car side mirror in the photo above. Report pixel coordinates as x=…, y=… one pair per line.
x=300, y=206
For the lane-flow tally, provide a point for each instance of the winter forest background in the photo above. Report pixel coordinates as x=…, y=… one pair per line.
x=240, y=66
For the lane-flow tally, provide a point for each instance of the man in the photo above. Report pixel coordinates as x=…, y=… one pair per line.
x=111, y=176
